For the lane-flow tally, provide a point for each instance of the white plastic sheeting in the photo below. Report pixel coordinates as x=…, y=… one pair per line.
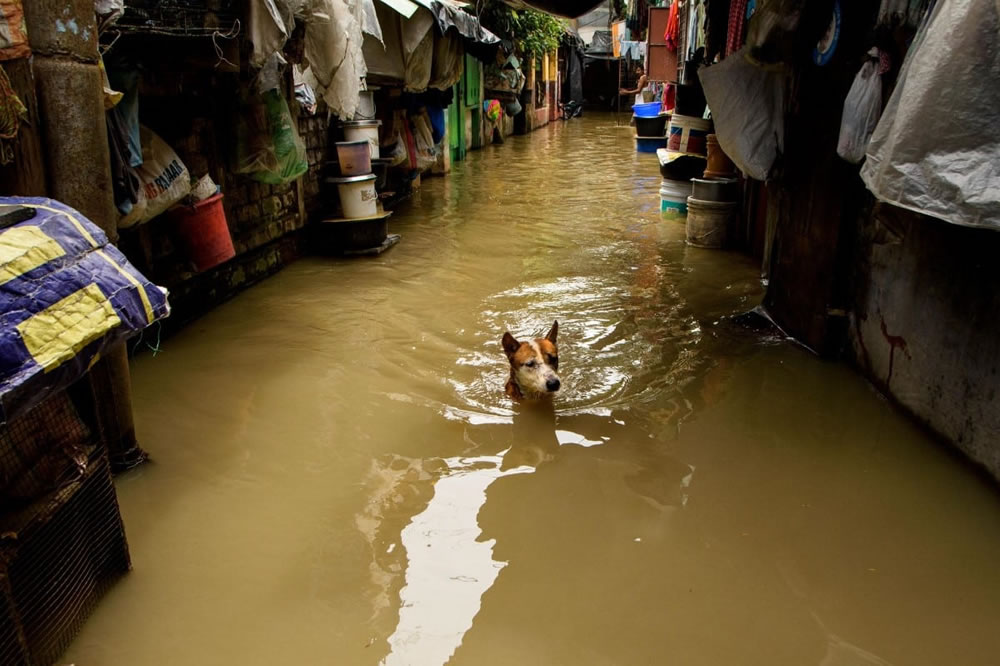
x=267, y=29
x=333, y=53
x=936, y=149
x=747, y=103
x=333, y=42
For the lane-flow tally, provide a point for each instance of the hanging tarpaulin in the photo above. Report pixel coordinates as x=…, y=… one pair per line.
x=66, y=296
x=370, y=24
x=449, y=16
x=418, y=50
x=449, y=61
x=936, y=149
x=13, y=33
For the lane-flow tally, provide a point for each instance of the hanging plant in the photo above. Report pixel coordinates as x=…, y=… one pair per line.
x=532, y=32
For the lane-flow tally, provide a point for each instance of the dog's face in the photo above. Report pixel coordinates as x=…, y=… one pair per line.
x=534, y=363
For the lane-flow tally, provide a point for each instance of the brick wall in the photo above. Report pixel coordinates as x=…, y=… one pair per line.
x=315, y=132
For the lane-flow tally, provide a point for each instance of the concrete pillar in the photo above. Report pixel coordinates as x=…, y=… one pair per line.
x=63, y=39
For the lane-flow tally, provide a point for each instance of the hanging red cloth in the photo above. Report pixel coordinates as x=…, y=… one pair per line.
x=673, y=27
x=737, y=22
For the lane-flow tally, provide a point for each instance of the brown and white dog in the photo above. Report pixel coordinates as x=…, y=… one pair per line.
x=533, y=365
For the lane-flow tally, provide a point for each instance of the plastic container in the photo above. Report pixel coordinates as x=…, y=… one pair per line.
x=673, y=197
x=719, y=164
x=363, y=130
x=354, y=157
x=711, y=224
x=688, y=134
x=651, y=126
x=204, y=233
x=649, y=144
x=358, y=197
x=646, y=109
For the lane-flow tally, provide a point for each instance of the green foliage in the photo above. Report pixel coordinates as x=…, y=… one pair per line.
x=532, y=32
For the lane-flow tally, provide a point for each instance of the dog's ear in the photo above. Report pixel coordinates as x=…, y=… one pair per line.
x=510, y=345
x=553, y=332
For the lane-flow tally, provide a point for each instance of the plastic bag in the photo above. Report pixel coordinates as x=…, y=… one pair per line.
x=164, y=179
x=269, y=147
x=862, y=107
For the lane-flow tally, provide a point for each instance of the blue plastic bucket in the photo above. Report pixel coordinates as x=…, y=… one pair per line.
x=647, y=110
x=649, y=144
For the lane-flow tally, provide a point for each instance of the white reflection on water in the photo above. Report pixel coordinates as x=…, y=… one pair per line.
x=448, y=569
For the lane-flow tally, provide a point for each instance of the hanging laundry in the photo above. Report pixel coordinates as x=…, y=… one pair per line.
x=673, y=27
x=737, y=25
x=695, y=38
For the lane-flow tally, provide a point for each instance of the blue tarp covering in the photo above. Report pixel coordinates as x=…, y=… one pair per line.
x=66, y=295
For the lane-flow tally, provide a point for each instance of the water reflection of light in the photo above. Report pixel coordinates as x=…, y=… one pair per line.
x=566, y=437
x=448, y=569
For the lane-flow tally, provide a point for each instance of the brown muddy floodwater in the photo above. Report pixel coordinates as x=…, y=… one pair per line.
x=339, y=479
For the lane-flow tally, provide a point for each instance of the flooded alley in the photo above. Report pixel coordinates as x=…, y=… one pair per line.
x=338, y=478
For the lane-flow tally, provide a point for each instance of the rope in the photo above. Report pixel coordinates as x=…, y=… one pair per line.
x=155, y=348
x=232, y=34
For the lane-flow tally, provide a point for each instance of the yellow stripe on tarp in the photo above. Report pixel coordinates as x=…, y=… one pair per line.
x=72, y=218
x=58, y=333
x=138, y=285
x=25, y=248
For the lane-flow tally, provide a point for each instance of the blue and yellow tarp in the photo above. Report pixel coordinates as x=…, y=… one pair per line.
x=66, y=295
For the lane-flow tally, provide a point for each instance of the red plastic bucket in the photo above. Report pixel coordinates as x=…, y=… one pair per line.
x=204, y=232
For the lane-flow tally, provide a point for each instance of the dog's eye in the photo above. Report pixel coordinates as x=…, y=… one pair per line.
x=530, y=364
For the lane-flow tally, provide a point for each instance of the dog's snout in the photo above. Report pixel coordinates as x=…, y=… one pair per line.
x=552, y=385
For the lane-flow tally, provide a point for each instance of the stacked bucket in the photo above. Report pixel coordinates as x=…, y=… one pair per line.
x=650, y=127
x=698, y=179
x=363, y=226
x=714, y=205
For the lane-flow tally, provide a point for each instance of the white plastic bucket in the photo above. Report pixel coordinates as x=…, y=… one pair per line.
x=688, y=134
x=358, y=197
x=363, y=130
x=673, y=197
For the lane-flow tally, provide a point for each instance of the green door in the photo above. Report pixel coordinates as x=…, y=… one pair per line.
x=456, y=124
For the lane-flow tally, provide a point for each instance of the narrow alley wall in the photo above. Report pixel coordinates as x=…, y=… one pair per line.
x=196, y=110
x=926, y=321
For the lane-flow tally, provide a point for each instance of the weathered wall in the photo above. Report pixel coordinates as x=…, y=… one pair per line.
x=196, y=111
x=925, y=324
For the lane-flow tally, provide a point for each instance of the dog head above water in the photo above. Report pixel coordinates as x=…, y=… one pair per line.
x=533, y=365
